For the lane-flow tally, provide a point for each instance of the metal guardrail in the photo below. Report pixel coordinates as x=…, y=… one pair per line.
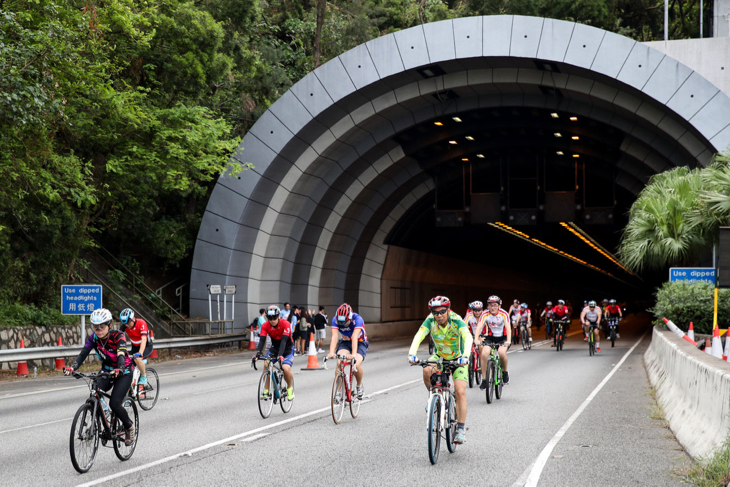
x=37, y=353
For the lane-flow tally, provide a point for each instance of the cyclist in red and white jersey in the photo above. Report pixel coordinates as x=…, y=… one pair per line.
x=282, y=345
x=525, y=319
x=561, y=313
x=474, y=315
x=613, y=310
x=495, y=330
x=348, y=335
x=138, y=333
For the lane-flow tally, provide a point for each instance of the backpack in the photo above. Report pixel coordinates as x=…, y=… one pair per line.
x=303, y=324
x=254, y=324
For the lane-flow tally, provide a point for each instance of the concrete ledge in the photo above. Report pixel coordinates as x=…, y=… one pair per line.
x=392, y=329
x=694, y=390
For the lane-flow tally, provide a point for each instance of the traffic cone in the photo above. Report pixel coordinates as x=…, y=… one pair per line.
x=60, y=362
x=670, y=324
x=726, y=353
x=691, y=331
x=716, y=343
x=312, y=362
x=708, y=346
x=152, y=339
x=252, y=341
x=22, y=366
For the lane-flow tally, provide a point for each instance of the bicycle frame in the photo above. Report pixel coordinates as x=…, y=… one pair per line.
x=440, y=385
x=95, y=395
x=342, y=364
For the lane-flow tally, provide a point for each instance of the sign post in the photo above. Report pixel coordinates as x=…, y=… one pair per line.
x=230, y=289
x=80, y=299
x=214, y=289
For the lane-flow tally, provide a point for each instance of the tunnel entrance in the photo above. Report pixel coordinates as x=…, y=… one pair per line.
x=505, y=145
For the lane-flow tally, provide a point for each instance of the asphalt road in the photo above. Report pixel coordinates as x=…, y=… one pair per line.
x=553, y=426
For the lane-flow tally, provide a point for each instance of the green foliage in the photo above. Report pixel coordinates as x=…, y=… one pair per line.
x=684, y=302
x=14, y=314
x=713, y=470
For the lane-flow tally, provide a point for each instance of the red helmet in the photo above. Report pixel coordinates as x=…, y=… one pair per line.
x=344, y=313
x=438, y=302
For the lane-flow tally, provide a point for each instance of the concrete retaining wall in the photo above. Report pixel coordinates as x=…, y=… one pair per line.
x=38, y=336
x=694, y=390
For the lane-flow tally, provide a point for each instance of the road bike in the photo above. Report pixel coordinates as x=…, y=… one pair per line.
x=548, y=328
x=494, y=374
x=342, y=390
x=612, y=324
x=526, y=343
x=95, y=421
x=272, y=387
x=475, y=366
x=145, y=394
x=441, y=418
x=559, y=334
x=591, y=339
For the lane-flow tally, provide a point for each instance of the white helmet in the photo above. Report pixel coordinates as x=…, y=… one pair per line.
x=101, y=316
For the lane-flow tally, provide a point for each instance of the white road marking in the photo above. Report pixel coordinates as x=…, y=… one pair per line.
x=34, y=425
x=531, y=475
x=247, y=434
x=254, y=437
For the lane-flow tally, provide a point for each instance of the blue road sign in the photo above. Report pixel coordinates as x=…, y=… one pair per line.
x=80, y=299
x=704, y=274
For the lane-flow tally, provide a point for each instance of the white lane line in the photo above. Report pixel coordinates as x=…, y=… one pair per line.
x=254, y=437
x=246, y=434
x=34, y=425
x=535, y=469
x=11, y=396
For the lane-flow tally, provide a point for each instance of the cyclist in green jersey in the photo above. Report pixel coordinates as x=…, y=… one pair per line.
x=453, y=341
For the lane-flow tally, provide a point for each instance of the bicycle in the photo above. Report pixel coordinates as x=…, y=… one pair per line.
x=441, y=419
x=475, y=367
x=559, y=335
x=612, y=324
x=591, y=339
x=526, y=343
x=548, y=328
x=91, y=424
x=342, y=391
x=272, y=387
x=148, y=394
x=494, y=374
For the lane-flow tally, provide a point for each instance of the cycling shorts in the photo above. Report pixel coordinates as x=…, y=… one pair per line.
x=288, y=359
x=362, y=347
x=147, y=350
x=461, y=373
x=593, y=324
x=492, y=341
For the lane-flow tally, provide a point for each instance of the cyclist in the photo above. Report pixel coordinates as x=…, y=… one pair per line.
x=111, y=348
x=282, y=345
x=453, y=342
x=138, y=333
x=497, y=334
x=561, y=313
x=590, y=317
x=611, y=311
x=348, y=334
x=547, y=316
x=513, y=313
x=525, y=320
x=474, y=315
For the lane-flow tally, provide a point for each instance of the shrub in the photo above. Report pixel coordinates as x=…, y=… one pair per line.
x=684, y=301
x=14, y=314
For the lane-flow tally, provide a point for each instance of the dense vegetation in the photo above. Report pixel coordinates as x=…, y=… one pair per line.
x=116, y=116
x=684, y=302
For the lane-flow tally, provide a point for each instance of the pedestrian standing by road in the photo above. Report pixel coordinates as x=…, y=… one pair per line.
x=286, y=311
x=294, y=320
x=261, y=320
x=303, y=326
x=320, y=326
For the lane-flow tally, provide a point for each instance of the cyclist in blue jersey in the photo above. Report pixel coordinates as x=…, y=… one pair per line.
x=348, y=335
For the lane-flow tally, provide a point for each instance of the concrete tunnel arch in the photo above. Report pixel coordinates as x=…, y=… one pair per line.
x=308, y=223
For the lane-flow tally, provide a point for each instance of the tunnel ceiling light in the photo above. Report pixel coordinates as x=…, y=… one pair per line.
x=558, y=134
x=480, y=156
x=452, y=142
x=575, y=230
x=534, y=241
x=560, y=153
x=576, y=156
x=464, y=158
x=456, y=119
x=438, y=123
x=573, y=119
x=554, y=115
x=575, y=137
x=469, y=137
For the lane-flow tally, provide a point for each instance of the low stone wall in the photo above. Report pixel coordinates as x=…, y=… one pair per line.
x=693, y=388
x=39, y=336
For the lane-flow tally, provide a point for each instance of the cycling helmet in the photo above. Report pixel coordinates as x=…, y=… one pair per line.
x=494, y=299
x=476, y=306
x=273, y=311
x=126, y=316
x=438, y=302
x=101, y=316
x=549, y=303
x=560, y=301
x=612, y=301
x=592, y=304
x=344, y=313
x=523, y=306
x=605, y=300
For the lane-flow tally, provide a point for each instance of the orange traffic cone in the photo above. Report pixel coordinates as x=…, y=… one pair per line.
x=252, y=341
x=312, y=362
x=708, y=346
x=691, y=331
x=152, y=339
x=716, y=347
x=22, y=366
x=60, y=362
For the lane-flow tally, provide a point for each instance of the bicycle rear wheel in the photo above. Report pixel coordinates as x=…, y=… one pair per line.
x=121, y=449
x=339, y=397
x=523, y=338
x=151, y=390
x=434, y=428
x=478, y=370
x=590, y=345
x=266, y=394
x=613, y=337
x=451, y=425
x=84, y=440
x=284, y=401
x=498, y=383
x=490, y=378
x=471, y=370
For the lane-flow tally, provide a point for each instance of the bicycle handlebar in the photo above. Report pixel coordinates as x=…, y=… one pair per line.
x=255, y=358
x=344, y=358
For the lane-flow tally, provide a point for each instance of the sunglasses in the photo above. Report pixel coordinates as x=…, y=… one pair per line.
x=98, y=327
x=442, y=312
x=271, y=318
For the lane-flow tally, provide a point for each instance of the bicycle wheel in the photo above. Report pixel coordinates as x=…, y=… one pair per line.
x=354, y=404
x=590, y=344
x=284, y=401
x=478, y=370
x=451, y=425
x=471, y=370
x=529, y=343
x=523, y=338
x=431, y=345
x=339, y=397
x=266, y=397
x=498, y=383
x=121, y=449
x=151, y=391
x=613, y=337
x=434, y=428
x=490, y=378
x=84, y=440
